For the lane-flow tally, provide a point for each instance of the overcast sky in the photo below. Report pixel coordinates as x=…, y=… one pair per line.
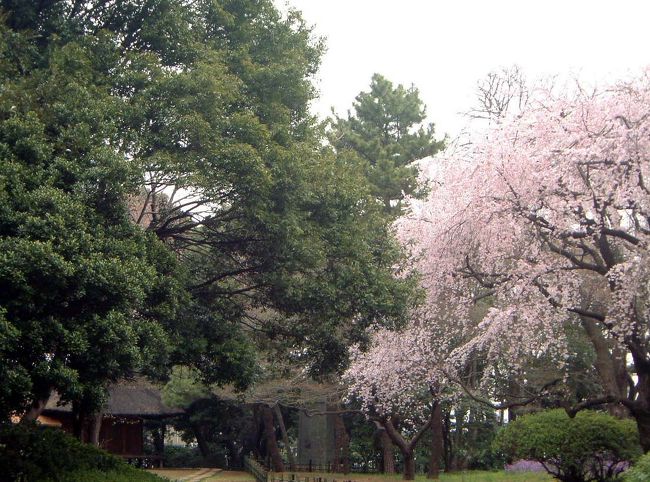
x=444, y=47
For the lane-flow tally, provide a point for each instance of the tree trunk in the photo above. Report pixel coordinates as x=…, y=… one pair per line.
x=200, y=440
x=285, y=437
x=35, y=409
x=79, y=419
x=642, y=419
x=387, y=451
x=406, y=447
x=159, y=438
x=610, y=365
x=436, y=442
x=257, y=433
x=271, y=443
x=409, y=465
x=341, y=462
x=95, y=428
x=448, y=448
x=235, y=461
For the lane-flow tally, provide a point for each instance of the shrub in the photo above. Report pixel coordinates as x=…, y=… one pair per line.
x=31, y=452
x=592, y=446
x=640, y=471
x=178, y=456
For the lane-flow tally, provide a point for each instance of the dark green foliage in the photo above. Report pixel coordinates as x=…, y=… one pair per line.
x=219, y=427
x=30, y=452
x=589, y=447
x=640, y=471
x=191, y=119
x=386, y=131
x=85, y=294
x=185, y=456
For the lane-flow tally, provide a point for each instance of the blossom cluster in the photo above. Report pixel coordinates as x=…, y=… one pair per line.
x=541, y=223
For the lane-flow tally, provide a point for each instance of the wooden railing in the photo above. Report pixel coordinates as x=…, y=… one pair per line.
x=256, y=469
x=297, y=478
x=261, y=474
x=323, y=468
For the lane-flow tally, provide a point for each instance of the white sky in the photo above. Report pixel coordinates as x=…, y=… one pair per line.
x=444, y=47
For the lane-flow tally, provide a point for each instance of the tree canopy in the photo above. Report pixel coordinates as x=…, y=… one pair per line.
x=166, y=191
x=546, y=221
x=387, y=131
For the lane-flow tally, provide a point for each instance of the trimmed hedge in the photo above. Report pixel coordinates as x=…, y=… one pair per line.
x=592, y=446
x=29, y=452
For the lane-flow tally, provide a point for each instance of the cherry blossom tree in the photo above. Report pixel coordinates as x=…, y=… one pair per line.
x=542, y=225
x=397, y=380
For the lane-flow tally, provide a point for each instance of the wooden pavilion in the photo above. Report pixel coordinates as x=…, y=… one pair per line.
x=131, y=405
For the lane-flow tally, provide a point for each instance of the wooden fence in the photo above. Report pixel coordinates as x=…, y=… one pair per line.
x=257, y=470
x=262, y=475
x=297, y=478
x=325, y=468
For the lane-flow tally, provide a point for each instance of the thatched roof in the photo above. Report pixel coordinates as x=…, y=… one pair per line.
x=137, y=398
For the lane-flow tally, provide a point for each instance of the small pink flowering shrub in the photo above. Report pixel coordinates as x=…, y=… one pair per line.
x=525, y=466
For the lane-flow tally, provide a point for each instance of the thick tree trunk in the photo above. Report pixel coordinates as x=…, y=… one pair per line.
x=409, y=465
x=387, y=451
x=159, y=438
x=79, y=419
x=436, y=442
x=35, y=409
x=271, y=442
x=200, y=440
x=95, y=428
x=258, y=433
x=341, y=462
x=448, y=448
x=285, y=437
x=610, y=365
x=642, y=419
x=406, y=447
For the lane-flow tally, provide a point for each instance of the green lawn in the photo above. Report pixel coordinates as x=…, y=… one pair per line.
x=231, y=476
x=194, y=474
x=468, y=476
x=124, y=474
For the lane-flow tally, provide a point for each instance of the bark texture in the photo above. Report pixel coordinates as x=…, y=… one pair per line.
x=406, y=447
x=285, y=437
x=95, y=428
x=341, y=462
x=436, y=442
x=36, y=409
x=272, y=449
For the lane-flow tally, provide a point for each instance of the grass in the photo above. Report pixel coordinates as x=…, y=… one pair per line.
x=174, y=473
x=123, y=474
x=223, y=476
x=231, y=476
x=467, y=476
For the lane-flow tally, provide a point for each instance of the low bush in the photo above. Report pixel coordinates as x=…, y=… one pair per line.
x=591, y=447
x=178, y=456
x=640, y=471
x=29, y=452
